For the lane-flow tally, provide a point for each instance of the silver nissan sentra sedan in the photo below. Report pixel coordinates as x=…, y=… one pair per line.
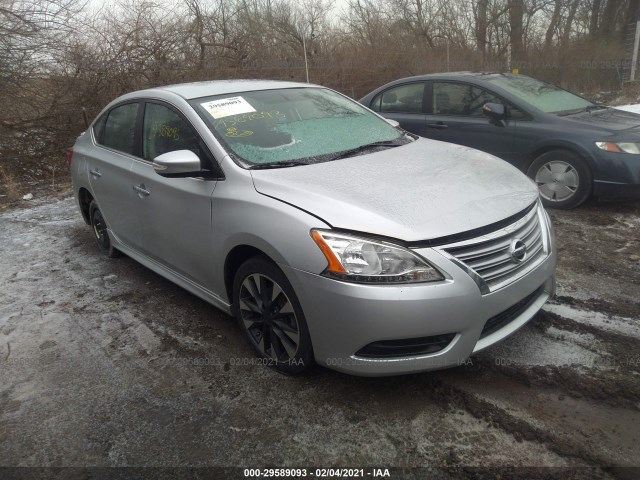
x=330, y=234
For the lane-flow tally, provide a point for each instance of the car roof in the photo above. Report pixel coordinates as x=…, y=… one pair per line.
x=473, y=77
x=458, y=75
x=221, y=87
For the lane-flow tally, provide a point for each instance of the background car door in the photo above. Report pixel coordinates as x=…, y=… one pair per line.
x=454, y=114
x=174, y=213
x=405, y=104
x=109, y=169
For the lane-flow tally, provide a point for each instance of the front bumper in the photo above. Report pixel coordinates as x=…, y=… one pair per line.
x=374, y=330
x=345, y=317
x=617, y=175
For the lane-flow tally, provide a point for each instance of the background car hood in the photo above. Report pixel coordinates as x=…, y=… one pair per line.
x=423, y=190
x=611, y=119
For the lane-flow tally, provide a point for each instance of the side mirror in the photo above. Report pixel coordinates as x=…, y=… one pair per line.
x=495, y=111
x=179, y=163
x=393, y=123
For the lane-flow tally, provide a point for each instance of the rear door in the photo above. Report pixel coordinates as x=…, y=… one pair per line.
x=454, y=114
x=109, y=165
x=405, y=104
x=174, y=213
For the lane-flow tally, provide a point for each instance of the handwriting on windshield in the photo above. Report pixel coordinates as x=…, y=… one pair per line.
x=247, y=117
x=233, y=132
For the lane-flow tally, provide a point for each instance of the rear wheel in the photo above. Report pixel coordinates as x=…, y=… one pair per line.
x=269, y=314
x=563, y=177
x=100, y=231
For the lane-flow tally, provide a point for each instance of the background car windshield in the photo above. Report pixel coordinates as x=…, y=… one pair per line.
x=291, y=124
x=541, y=95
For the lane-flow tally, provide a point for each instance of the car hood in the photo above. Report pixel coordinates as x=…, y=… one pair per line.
x=611, y=119
x=423, y=190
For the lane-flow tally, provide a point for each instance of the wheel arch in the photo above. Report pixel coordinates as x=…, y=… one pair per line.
x=84, y=201
x=236, y=257
x=549, y=146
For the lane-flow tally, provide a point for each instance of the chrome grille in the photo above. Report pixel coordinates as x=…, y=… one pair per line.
x=489, y=258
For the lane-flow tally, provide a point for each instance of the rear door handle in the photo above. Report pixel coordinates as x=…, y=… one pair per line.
x=95, y=173
x=439, y=125
x=142, y=190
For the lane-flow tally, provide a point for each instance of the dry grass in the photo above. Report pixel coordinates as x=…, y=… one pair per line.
x=9, y=186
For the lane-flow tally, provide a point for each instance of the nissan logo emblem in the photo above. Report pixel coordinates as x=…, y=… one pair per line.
x=518, y=250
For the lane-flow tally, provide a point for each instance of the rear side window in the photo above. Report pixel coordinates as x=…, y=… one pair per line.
x=165, y=131
x=116, y=128
x=401, y=99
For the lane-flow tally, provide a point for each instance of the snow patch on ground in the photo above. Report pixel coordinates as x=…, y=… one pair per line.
x=610, y=323
x=555, y=348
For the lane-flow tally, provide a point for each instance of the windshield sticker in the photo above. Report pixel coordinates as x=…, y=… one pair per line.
x=227, y=107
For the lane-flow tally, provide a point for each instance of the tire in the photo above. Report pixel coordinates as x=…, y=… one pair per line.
x=563, y=177
x=101, y=232
x=268, y=312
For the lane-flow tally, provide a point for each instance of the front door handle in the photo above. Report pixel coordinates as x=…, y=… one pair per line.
x=142, y=190
x=439, y=125
x=95, y=173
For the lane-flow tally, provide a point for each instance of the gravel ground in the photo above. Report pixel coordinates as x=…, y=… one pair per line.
x=104, y=363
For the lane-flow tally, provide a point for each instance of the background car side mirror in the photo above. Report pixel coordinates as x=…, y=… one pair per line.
x=179, y=163
x=495, y=112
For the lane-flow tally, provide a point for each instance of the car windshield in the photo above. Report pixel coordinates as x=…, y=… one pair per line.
x=541, y=95
x=293, y=125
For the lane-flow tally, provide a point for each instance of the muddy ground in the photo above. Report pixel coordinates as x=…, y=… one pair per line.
x=104, y=363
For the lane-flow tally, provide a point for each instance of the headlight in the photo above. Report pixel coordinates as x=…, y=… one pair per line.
x=362, y=260
x=622, y=147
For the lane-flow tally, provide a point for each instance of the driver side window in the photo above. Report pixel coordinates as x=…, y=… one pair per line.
x=165, y=131
x=460, y=99
x=467, y=100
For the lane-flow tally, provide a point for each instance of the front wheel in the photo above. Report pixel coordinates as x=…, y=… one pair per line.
x=563, y=177
x=269, y=314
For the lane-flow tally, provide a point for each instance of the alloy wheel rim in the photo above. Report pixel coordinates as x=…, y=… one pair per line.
x=269, y=318
x=100, y=228
x=557, y=181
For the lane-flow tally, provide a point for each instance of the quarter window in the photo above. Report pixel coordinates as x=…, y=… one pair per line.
x=165, y=131
x=116, y=129
x=402, y=99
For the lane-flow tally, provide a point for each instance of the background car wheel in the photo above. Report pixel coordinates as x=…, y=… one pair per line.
x=563, y=177
x=100, y=232
x=268, y=312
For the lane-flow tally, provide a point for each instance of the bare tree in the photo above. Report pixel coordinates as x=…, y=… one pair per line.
x=516, y=12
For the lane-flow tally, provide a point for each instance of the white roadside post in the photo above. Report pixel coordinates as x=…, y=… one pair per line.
x=634, y=59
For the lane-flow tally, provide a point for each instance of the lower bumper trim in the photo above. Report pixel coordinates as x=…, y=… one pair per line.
x=505, y=317
x=408, y=347
x=611, y=191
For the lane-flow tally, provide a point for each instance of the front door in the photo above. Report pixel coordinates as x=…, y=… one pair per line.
x=174, y=213
x=455, y=115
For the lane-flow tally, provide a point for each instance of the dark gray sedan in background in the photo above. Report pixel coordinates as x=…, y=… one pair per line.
x=570, y=146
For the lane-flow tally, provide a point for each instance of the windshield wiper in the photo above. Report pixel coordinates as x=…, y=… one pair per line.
x=588, y=108
x=263, y=166
x=367, y=146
